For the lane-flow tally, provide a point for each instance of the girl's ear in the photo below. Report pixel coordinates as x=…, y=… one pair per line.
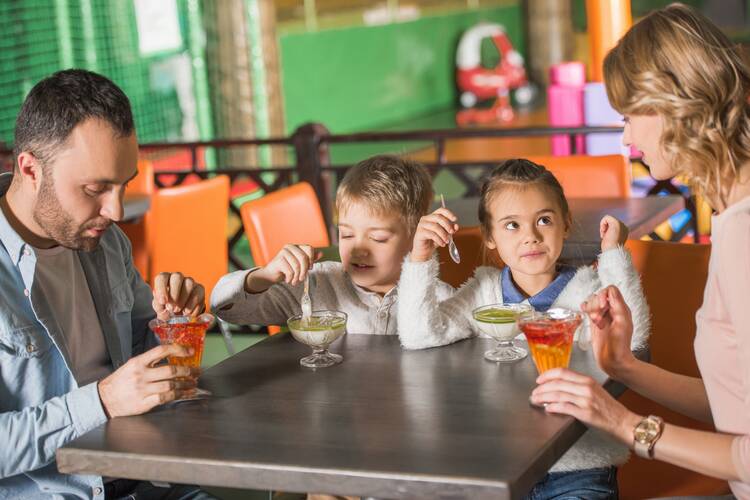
x=568, y=224
x=487, y=239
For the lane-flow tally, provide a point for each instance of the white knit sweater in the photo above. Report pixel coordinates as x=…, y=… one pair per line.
x=427, y=320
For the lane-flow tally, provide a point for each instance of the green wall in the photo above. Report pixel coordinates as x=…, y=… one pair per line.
x=369, y=77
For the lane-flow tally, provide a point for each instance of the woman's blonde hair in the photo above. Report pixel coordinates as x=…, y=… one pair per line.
x=677, y=64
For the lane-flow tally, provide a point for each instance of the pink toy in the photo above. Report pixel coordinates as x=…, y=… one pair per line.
x=565, y=104
x=565, y=109
x=572, y=74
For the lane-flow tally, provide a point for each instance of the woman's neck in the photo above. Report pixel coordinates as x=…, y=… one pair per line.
x=740, y=189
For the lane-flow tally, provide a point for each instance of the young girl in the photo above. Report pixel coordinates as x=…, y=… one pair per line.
x=525, y=218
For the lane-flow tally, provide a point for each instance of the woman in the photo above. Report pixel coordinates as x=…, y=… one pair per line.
x=683, y=89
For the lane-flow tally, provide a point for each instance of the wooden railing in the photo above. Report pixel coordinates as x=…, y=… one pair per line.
x=310, y=161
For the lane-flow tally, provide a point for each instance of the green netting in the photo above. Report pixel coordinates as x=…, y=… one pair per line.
x=44, y=36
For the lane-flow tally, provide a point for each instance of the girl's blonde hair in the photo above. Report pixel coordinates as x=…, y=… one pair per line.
x=679, y=65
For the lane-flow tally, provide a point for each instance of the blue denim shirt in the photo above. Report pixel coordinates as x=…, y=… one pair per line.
x=41, y=406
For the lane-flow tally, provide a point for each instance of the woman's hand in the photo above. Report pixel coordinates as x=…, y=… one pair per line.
x=569, y=393
x=611, y=331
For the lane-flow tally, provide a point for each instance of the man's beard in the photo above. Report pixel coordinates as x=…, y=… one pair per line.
x=58, y=224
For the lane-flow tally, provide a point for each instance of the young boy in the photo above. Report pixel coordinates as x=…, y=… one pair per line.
x=378, y=206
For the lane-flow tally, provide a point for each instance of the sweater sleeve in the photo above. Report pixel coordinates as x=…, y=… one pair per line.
x=616, y=268
x=431, y=314
x=734, y=280
x=230, y=301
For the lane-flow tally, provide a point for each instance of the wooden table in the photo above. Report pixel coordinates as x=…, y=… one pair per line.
x=436, y=423
x=641, y=215
x=135, y=206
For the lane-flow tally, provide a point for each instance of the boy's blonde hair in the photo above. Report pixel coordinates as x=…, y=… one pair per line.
x=387, y=183
x=677, y=64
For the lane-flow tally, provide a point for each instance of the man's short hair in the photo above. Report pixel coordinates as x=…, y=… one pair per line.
x=388, y=184
x=59, y=103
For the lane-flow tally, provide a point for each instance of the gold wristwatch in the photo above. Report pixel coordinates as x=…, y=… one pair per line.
x=646, y=434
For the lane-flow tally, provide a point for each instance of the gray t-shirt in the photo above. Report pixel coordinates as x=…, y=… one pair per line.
x=61, y=278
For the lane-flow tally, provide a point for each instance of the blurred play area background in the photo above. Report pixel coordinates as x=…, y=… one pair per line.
x=257, y=69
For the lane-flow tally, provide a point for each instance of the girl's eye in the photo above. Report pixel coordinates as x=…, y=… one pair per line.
x=345, y=236
x=511, y=226
x=544, y=221
x=378, y=240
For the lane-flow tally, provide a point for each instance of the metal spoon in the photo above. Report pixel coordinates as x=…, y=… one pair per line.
x=452, y=249
x=306, y=302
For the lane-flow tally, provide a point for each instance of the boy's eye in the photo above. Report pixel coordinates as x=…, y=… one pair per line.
x=379, y=240
x=345, y=236
x=544, y=221
x=511, y=226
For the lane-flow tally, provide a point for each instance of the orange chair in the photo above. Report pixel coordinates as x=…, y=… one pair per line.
x=673, y=276
x=474, y=253
x=187, y=231
x=289, y=215
x=142, y=184
x=584, y=176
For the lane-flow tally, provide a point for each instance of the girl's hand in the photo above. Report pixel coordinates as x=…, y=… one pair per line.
x=433, y=231
x=611, y=330
x=290, y=265
x=612, y=232
x=569, y=393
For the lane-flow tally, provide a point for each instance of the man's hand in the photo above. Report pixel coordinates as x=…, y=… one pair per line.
x=139, y=385
x=177, y=294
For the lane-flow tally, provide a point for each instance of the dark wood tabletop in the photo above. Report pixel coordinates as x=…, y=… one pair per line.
x=389, y=423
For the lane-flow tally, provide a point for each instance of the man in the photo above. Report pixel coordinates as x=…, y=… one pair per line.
x=75, y=348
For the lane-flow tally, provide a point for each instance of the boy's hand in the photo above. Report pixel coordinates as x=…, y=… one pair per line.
x=612, y=232
x=433, y=231
x=290, y=265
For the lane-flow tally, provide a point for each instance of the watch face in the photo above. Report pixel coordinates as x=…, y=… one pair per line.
x=646, y=431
